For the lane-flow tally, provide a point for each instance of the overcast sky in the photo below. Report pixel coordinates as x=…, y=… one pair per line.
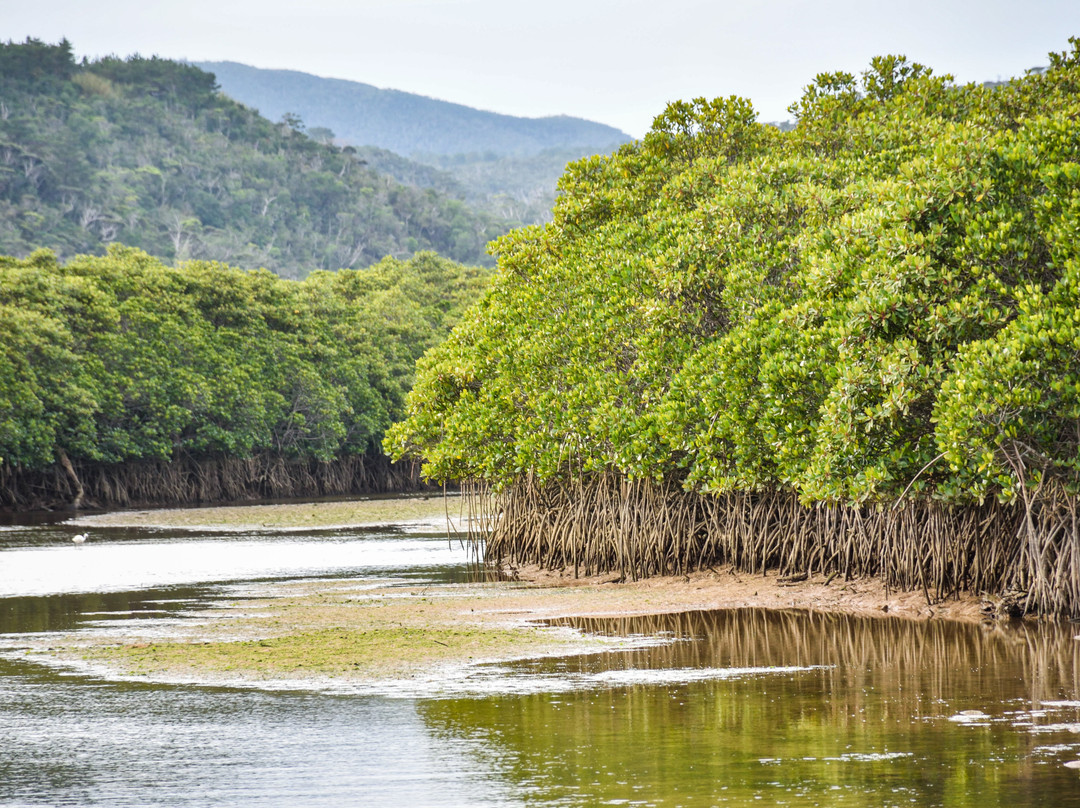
x=613, y=61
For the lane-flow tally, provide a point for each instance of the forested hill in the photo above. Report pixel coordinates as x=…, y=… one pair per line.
x=405, y=123
x=148, y=153
x=504, y=165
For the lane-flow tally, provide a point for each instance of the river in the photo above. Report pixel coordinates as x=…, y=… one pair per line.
x=736, y=707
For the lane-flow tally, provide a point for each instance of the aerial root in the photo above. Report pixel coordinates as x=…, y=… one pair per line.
x=638, y=528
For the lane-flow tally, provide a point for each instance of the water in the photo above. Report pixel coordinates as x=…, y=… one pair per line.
x=738, y=707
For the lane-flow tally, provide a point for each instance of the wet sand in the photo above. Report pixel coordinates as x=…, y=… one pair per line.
x=724, y=587
x=315, y=632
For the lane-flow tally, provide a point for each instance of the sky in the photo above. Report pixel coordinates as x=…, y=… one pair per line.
x=618, y=62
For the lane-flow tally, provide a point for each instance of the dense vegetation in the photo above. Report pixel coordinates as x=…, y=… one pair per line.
x=121, y=359
x=500, y=164
x=148, y=153
x=853, y=346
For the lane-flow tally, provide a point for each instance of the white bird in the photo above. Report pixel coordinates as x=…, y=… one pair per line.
x=80, y=538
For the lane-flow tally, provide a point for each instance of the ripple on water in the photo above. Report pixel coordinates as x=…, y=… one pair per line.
x=686, y=701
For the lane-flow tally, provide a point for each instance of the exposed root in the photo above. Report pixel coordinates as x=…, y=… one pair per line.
x=606, y=523
x=190, y=480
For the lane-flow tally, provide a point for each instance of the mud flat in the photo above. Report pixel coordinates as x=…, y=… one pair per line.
x=366, y=631
x=725, y=588
x=369, y=630
x=366, y=512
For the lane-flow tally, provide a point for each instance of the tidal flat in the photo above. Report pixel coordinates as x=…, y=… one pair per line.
x=366, y=512
x=361, y=630
x=357, y=630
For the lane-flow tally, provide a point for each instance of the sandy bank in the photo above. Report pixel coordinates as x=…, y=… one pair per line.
x=725, y=588
x=366, y=512
x=358, y=631
x=709, y=589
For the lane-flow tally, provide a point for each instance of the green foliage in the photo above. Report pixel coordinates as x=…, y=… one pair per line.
x=146, y=152
x=879, y=302
x=33, y=61
x=121, y=357
x=499, y=164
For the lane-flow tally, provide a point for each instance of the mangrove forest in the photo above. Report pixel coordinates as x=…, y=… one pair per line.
x=851, y=348
x=124, y=380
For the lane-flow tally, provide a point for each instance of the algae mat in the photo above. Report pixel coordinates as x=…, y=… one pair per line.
x=366, y=512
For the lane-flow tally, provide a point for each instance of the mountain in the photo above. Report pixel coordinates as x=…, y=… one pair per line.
x=405, y=123
x=517, y=188
x=147, y=152
x=503, y=165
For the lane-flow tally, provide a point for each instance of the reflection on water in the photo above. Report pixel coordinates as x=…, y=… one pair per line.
x=65, y=612
x=74, y=742
x=734, y=707
x=864, y=719
x=923, y=659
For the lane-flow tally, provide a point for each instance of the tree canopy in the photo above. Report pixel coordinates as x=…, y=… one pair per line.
x=121, y=357
x=880, y=303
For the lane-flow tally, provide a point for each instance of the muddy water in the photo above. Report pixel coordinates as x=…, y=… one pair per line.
x=738, y=707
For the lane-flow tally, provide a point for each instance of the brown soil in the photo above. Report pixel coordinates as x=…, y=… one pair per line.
x=725, y=588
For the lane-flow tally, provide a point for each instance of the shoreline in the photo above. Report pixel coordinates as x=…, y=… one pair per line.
x=376, y=634
x=331, y=514
x=712, y=588
x=380, y=637
x=727, y=588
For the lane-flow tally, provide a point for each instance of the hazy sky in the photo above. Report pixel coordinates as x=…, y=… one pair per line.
x=614, y=61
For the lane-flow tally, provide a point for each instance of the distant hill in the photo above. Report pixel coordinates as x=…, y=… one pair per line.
x=148, y=153
x=520, y=189
x=501, y=164
x=402, y=122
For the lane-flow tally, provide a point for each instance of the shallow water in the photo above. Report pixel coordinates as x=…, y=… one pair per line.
x=723, y=708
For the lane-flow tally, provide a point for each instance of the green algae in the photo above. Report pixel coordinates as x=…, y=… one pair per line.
x=367, y=652
x=341, y=513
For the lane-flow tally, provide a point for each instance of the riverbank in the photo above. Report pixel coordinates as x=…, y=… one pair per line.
x=377, y=635
x=375, y=632
x=716, y=588
x=728, y=588
x=366, y=632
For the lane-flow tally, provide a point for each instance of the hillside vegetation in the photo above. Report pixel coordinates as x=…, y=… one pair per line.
x=853, y=347
x=501, y=164
x=147, y=152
